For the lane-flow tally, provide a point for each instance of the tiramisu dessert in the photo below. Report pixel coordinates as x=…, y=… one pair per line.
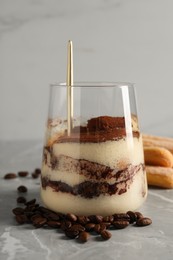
x=97, y=169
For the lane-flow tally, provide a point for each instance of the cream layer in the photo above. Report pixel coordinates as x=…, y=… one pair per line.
x=115, y=154
x=103, y=205
x=71, y=178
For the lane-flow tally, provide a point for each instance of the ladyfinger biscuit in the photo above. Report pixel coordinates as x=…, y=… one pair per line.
x=158, y=156
x=151, y=140
x=160, y=176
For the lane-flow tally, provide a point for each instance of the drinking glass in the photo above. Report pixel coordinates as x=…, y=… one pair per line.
x=97, y=166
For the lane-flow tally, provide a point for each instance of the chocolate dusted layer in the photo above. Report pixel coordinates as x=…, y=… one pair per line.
x=80, y=166
x=99, y=129
x=90, y=170
x=91, y=189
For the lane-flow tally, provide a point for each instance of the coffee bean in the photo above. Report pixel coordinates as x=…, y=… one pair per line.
x=35, y=175
x=61, y=216
x=21, y=200
x=98, y=219
x=141, y=222
x=36, y=212
x=90, y=226
x=65, y=225
x=9, y=176
x=97, y=228
x=18, y=211
x=36, y=205
x=21, y=219
x=108, y=219
x=102, y=227
x=132, y=216
x=22, y=189
x=95, y=219
x=106, y=234
x=77, y=227
x=120, y=224
x=83, y=236
x=30, y=202
x=52, y=216
x=121, y=216
x=37, y=171
x=83, y=220
x=92, y=219
x=138, y=215
x=31, y=208
x=35, y=216
x=39, y=221
x=29, y=214
x=71, y=233
x=22, y=173
x=107, y=224
x=54, y=224
x=71, y=217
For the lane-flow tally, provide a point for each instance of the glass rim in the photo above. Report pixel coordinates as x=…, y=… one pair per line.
x=94, y=84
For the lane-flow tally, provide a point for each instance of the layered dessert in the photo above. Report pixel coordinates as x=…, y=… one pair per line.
x=97, y=169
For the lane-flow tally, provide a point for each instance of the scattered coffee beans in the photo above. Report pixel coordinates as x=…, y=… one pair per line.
x=133, y=216
x=120, y=224
x=76, y=226
x=71, y=217
x=141, y=222
x=83, y=236
x=21, y=219
x=73, y=226
x=30, y=202
x=22, y=189
x=54, y=224
x=98, y=219
x=21, y=200
x=105, y=234
x=108, y=219
x=34, y=175
x=90, y=226
x=83, y=220
x=39, y=221
x=97, y=228
x=121, y=216
x=18, y=211
x=52, y=216
x=66, y=225
x=138, y=215
x=9, y=176
x=23, y=173
x=38, y=171
x=71, y=233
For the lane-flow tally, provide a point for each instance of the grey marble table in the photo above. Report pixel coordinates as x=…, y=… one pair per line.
x=24, y=242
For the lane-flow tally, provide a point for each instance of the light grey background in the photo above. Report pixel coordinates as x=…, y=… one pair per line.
x=114, y=40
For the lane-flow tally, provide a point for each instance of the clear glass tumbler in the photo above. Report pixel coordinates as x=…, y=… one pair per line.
x=99, y=167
